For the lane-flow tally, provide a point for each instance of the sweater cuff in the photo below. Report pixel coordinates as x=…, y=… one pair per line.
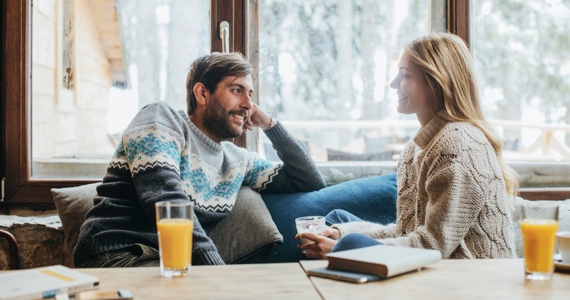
x=340, y=229
x=207, y=258
x=277, y=132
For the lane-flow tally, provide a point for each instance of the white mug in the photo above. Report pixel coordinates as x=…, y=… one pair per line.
x=563, y=239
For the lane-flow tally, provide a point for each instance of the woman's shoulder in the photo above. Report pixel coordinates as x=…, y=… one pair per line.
x=462, y=132
x=458, y=138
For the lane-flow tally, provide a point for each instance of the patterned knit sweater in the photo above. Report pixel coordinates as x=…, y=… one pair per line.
x=451, y=196
x=163, y=156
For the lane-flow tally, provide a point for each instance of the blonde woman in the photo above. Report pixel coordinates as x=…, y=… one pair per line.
x=453, y=186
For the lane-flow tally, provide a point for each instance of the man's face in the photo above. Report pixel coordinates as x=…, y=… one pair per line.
x=227, y=109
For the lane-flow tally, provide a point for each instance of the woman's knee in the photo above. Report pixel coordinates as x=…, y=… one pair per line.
x=355, y=241
x=338, y=216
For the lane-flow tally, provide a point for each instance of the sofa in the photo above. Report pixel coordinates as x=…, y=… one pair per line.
x=273, y=216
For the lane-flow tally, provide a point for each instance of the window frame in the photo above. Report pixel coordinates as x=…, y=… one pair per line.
x=15, y=166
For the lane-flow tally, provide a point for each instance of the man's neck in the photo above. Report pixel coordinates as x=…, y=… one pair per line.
x=199, y=124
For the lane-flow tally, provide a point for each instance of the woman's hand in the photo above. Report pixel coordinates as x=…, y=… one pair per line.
x=332, y=233
x=317, y=245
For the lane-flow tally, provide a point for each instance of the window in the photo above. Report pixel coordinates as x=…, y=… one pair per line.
x=58, y=111
x=111, y=59
x=329, y=83
x=520, y=49
x=68, y=85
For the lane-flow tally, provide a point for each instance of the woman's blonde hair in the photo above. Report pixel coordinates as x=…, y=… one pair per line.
x=446, y=62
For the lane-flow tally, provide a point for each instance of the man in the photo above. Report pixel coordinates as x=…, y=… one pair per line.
x=167, y=155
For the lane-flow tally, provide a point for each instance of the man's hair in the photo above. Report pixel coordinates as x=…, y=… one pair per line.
x=211, y=69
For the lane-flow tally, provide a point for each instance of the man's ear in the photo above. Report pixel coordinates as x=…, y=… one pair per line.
x=201, y=92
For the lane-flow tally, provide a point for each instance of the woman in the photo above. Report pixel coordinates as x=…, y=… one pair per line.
x=453, y=186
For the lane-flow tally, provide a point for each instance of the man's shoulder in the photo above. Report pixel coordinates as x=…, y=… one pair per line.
x=159, y=106
x=157, y=113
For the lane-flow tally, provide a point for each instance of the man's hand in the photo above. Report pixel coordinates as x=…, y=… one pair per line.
x=319, y=247
x=258, y=117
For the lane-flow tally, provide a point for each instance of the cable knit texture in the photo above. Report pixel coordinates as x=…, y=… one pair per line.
x=451, y=196
x=163, y=156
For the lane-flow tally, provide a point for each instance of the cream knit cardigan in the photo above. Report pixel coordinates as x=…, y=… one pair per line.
x=451, y=196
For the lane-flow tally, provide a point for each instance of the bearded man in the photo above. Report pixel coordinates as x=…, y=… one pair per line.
x=169, y=155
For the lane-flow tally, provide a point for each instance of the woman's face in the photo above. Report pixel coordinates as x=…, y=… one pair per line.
x=414, y=93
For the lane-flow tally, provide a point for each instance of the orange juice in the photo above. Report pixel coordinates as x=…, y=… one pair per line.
x=175, y=242
x=539, y=236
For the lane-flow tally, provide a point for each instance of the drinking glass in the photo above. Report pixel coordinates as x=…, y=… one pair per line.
x=174, y=225
x=539, y=224
x=314, y=224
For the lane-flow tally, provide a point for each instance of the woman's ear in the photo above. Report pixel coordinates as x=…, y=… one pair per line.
x=201, y=93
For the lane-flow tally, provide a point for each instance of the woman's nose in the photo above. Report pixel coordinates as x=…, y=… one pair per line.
x=394, y=83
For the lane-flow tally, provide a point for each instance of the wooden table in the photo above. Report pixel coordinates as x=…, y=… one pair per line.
x=254, y=281
x=450, y=279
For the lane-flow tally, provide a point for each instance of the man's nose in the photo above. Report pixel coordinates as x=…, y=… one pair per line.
x=246, y=103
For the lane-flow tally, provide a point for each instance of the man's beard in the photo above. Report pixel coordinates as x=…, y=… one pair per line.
x=217, y=121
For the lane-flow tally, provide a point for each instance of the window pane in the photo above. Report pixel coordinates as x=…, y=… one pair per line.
x=325, y=68
x=95, y=64
x=521, y=52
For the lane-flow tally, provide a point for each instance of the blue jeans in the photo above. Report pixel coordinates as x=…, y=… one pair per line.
x=352, y=240
x=372, y=199
x=340, y=216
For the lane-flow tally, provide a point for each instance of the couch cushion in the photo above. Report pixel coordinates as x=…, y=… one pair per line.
x=247, y=230
x=72, y=204
x=248, y=215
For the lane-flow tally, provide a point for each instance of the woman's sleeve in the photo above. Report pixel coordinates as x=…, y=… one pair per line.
x=373, y=230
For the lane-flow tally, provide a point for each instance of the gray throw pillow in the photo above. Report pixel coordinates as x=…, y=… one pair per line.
x=247, y=230
x=72, y=204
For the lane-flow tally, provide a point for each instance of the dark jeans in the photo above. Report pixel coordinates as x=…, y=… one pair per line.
x=137, y=255
x=349, y=241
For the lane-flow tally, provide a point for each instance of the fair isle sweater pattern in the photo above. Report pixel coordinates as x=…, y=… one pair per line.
x=156, y=146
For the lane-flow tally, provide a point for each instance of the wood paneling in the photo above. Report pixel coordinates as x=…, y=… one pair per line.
x=458, y=18
x=234, y=12
x=17, y=147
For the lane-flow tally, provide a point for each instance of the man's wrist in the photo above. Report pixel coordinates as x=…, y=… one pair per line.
x=272, y=122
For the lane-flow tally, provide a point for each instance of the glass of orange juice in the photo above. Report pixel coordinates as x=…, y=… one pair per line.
x=539, y=224
x=174, y=225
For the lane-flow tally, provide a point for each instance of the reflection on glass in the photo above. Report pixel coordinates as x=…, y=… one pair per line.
x=95, y=64
x=325, y=68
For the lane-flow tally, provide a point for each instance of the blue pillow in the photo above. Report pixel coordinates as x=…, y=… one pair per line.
x=372, y=199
